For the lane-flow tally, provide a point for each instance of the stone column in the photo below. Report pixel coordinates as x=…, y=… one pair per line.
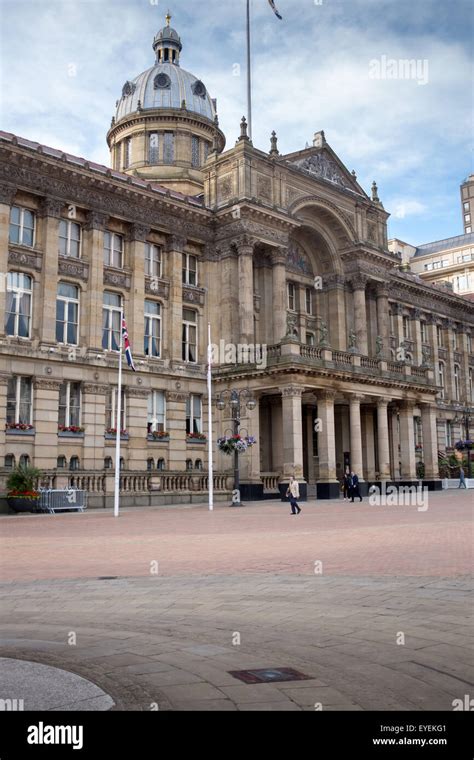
x=137, y=402
x=415, y=315
x=327, y=438
x=368, y=443
x=356, y=435
x=292, y=432
x=46, y=411
x=279, y=294
x=431, y=324
x=395, y=443
x=448, y=328
x=397, y=310
x=50, y=211
x=383, y=319
x=359, y=283
x=310, y=420
x=430, y=440
x=7, y=193
x=407, y=441
x=228, y=272
x=93, y=419
x=135, y=319
x=245, y=285
x=176, y=424
x=3, y=405
x=464, y=349
x=383, y=447
x=175, y=249
x=91, y=308
x=334, y=285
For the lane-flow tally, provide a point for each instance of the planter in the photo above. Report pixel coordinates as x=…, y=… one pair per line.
x=15, y=431
x=21, y=504
x=112, y=437
x=68, y=434
x=199, y=441
x=163, y=439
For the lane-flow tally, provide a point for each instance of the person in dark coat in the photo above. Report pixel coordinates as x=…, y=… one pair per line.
x=346, y=486
x=355, y=486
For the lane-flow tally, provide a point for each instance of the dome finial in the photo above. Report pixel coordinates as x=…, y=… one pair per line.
x=168, y=18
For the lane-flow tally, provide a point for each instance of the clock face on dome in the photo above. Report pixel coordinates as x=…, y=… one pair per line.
x=199, y=89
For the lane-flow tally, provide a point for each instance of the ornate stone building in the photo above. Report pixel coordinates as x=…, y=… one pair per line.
x=362, y=364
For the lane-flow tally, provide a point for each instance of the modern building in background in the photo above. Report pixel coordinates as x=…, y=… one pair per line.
x=360, y=364
x=467, y=203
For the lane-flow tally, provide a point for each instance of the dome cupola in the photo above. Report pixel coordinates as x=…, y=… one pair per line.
x=167, y=44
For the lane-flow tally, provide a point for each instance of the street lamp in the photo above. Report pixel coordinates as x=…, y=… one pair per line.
x=463, y=416
x=236, y=400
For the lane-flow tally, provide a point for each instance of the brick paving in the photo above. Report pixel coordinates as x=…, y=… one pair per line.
x=237, y=589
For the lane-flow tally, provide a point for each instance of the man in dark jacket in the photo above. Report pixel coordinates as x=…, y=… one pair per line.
x=355, y=486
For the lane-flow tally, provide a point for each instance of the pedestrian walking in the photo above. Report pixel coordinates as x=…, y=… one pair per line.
x=293, y=493
x=346, y=486
x=355, y=486
x=462, y=478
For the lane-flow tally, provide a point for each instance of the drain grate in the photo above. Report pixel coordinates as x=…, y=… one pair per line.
x=108, y=578
x=269, y=675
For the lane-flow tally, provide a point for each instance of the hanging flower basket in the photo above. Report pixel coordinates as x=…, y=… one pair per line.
x=230, y=444
x=463, y=445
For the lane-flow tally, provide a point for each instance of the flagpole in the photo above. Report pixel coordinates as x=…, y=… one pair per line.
x=209, y=395
x=249, y=74
x=118, y=417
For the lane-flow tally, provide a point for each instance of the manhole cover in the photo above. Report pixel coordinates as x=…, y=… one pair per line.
x=269, y=675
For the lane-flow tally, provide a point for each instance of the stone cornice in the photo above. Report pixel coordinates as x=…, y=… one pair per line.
x=72, y=267
x=137, y=392
x=44, y=383
x=95, y=389
x=21, y=257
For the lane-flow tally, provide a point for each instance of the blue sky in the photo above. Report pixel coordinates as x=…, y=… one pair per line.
x=64, y=62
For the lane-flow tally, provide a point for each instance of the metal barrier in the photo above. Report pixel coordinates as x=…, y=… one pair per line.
x=68, y=499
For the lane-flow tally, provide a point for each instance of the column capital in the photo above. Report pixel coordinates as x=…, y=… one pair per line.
x=51, y=207
x=359, y=281
x=46, y=384
x=245, y=245
x=382, y=290
x=415, y=314
x=407, y=405
x=355, y=398
x=96, y=221
x=4, y=379
x=333, y=281
x=325, y=395
x=292, y=391
x=397, y=309
x=7, y=193
x=383, y=403
x=176, y=243
x=278, y=256
x=138, y=233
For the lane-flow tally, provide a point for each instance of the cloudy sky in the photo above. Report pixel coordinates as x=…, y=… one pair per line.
x=335, y=65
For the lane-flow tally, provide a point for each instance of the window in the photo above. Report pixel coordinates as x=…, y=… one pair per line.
x=466, y=206
x=122, y=463
x=439, y=335
x=69, y=405
x=309, y=339
x=161, y=464
x=108, y=463
x=189, y=269
x=22, y=226
x=152, y=329
x=392, y=323
x=67, y=314
x=61, y=463
x=189, y=464
x=469, y=343
x=9, y=462
x=456, y=382
x=198, y=464
x=189, y=336
x=153, y=148
x=153, y=260
x=206, y=147
x=19, y=401
x=441, y=378
x=462, y=282
x=309, y=300
x=291, y=296
x=406, y=327
x=467, y=218
x=150, y=464
x=468, y=230
x=168, y=151
x=194, y=414
x=156, y=412
x=111, y=410
x=69, y=238
x=449, y=433
x=127, y=151
x=471, y=387
x=18, y=305
x=25, y=460
x=113, y=250
x=111, y=314
x=74, y=463
x=424, y=332
x=195, y=151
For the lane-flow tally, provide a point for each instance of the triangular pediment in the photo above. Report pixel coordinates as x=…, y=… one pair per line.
x=322, y=163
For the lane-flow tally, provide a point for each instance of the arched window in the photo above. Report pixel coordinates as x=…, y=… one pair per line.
x=189, y=464
x=456, y=382
x=24, y=460
x=150, y=463
x=122, y=463
x=74, y=463
x=61, y=463
x=10, y=461
x=441, y=382
x=108, y=463
x=198, y=464
x=161, y=464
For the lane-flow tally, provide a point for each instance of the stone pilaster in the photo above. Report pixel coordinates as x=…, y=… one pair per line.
x=94, y=297
x=368, y=443
x=448, y=330
x=93, y=419
x=176, y=424
x=397, y=311
x=135, y=319
x=246, y=290
x=7, y=193
x=45, y=410
x=407, y=442
x=326, y=438
x=383, y=447
x=415, y=315
x=383, y=319
x=359, y=283
x=279, y=294
x=175, y=250
x=356, y=435
x=430, y=440
x=334, y=285
x=51, y=213
x=292, y=432
x=395, y=444
x=3, y=405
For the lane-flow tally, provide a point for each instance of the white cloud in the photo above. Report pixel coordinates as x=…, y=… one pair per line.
x=403, y=208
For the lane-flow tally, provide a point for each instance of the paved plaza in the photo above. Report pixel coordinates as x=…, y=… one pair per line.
x=156, y=607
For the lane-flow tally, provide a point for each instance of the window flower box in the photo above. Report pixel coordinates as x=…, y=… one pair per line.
x=159, y=436
x=73, y=431
x=196, y=438
x=111, y=434
x=19, y=428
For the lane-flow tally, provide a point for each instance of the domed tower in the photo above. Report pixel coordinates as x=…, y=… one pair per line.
x=166, y=123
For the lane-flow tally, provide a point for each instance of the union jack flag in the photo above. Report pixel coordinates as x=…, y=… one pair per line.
x=126, y=345
x=273, y=7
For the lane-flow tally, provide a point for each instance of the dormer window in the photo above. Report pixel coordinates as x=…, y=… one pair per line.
x=162, y=82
